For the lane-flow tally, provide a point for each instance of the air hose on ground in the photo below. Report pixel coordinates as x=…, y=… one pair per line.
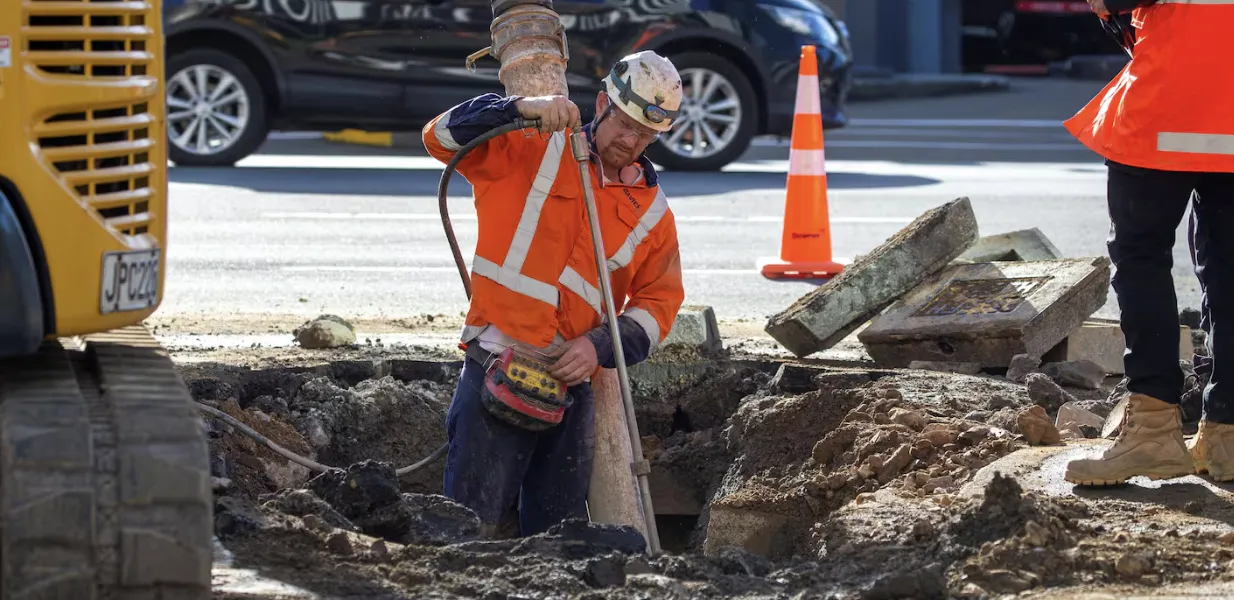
x=442, y=188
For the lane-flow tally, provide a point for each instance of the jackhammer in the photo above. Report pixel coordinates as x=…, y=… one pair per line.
x=529, y=41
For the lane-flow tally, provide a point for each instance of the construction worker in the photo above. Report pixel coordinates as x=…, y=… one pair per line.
x=535, y=286
x=1165, y=129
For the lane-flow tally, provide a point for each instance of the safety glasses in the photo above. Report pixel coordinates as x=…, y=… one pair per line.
x=622, y=122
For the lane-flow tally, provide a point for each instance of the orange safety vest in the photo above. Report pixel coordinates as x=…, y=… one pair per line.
x=1170, y=107
x=534, y=274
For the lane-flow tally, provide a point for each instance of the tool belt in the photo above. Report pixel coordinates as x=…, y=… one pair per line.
x=519, y=390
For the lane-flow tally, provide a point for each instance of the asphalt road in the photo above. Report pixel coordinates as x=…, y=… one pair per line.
x=306, y=226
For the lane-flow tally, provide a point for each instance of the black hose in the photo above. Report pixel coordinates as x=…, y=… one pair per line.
x=442, y=188
x=444, y=184
x=296, y=458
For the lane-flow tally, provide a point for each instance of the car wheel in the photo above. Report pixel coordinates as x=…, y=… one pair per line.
x=216, y=110
x=719, y=115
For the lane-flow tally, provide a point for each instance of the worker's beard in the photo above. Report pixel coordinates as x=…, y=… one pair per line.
x=617, y=155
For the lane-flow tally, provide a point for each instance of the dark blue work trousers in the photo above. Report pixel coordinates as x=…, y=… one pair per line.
x=491, y=464
x=1146, y=207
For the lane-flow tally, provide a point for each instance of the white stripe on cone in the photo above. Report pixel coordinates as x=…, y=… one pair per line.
x=808, y=100
x=806, y=162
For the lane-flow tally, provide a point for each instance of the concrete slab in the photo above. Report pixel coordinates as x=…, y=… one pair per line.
x=753, y=531
x=695, y=328
x=989, y=312
x=1022, y=245
x=823, y=317
x=1040, y=469
x=1103, y=343
x=964, y=368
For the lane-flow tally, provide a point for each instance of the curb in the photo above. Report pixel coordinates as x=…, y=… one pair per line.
x=924, y=86
x=359, y=137
x=381, y=139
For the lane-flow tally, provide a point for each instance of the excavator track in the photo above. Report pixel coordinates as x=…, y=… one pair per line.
x=104, y=474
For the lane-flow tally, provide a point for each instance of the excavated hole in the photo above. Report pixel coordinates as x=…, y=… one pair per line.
x=345, y=412
x=775, y=464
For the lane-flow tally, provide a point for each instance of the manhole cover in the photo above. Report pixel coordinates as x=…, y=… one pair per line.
x=981, y=296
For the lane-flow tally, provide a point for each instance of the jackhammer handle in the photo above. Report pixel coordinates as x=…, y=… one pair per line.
x=527, y=123
x=521, y=123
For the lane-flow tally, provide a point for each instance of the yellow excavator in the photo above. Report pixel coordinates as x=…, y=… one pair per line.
x=104, y=468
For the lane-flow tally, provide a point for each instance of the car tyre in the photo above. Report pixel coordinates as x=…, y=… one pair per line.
x=238, y=123
x=672, y=151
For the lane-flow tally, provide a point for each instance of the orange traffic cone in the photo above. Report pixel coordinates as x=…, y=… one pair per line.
x=805, y=249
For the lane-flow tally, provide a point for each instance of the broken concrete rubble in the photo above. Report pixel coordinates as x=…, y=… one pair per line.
x=1021, y=365
x=990, y=312
x=1022, y=245
x=326, y=331
x=1079, y=374
x=1075, y=420
x=695, y=328
x=1045, y=392
x=1102, y=342
x=1037, y=427
x=823, y=317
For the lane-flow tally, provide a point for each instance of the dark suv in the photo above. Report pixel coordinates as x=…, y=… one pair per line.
x=237, y=69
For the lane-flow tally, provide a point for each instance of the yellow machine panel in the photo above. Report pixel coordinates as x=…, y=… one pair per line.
x=82, y=145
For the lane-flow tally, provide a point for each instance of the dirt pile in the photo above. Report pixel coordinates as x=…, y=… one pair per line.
x=799, y=458
x=574, y=560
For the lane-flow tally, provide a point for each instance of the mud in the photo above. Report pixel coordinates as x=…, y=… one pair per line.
x=863, y=469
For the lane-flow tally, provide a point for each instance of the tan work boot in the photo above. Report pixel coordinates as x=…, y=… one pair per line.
x=1213, y=450
x=1150, y=444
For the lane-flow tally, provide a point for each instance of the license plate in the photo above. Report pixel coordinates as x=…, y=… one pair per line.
x=130, y=281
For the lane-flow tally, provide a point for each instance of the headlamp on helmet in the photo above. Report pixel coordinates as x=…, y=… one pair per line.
x=622, y=82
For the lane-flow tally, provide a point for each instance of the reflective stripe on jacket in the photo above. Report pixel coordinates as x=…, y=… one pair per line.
x=534, y=273
x=1169, y=108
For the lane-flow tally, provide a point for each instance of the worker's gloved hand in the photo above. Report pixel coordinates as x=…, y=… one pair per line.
x=554, y=112
x=1098, y=7
x=576, y=362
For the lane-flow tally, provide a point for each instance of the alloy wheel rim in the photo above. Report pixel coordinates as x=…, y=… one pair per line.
x=207, y=109
x=710, y=115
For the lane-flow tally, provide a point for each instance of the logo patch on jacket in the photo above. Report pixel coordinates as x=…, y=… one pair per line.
x=632, y=199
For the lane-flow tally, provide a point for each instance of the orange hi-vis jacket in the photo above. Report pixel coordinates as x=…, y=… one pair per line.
x=1170, y=107
x=534, y=274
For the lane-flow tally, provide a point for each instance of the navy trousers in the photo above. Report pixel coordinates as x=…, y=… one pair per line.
x=492, y=465
x=1146, y=207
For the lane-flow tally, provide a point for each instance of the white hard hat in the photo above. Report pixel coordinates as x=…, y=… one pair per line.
x=647, y=87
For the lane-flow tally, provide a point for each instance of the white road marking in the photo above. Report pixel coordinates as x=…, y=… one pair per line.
x=295, y=135
x=853, y=125
x=339, y=216
x=454, y=269
x=850, y=142
x=1017, y=123
x=982, y=170
x=938, y=145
